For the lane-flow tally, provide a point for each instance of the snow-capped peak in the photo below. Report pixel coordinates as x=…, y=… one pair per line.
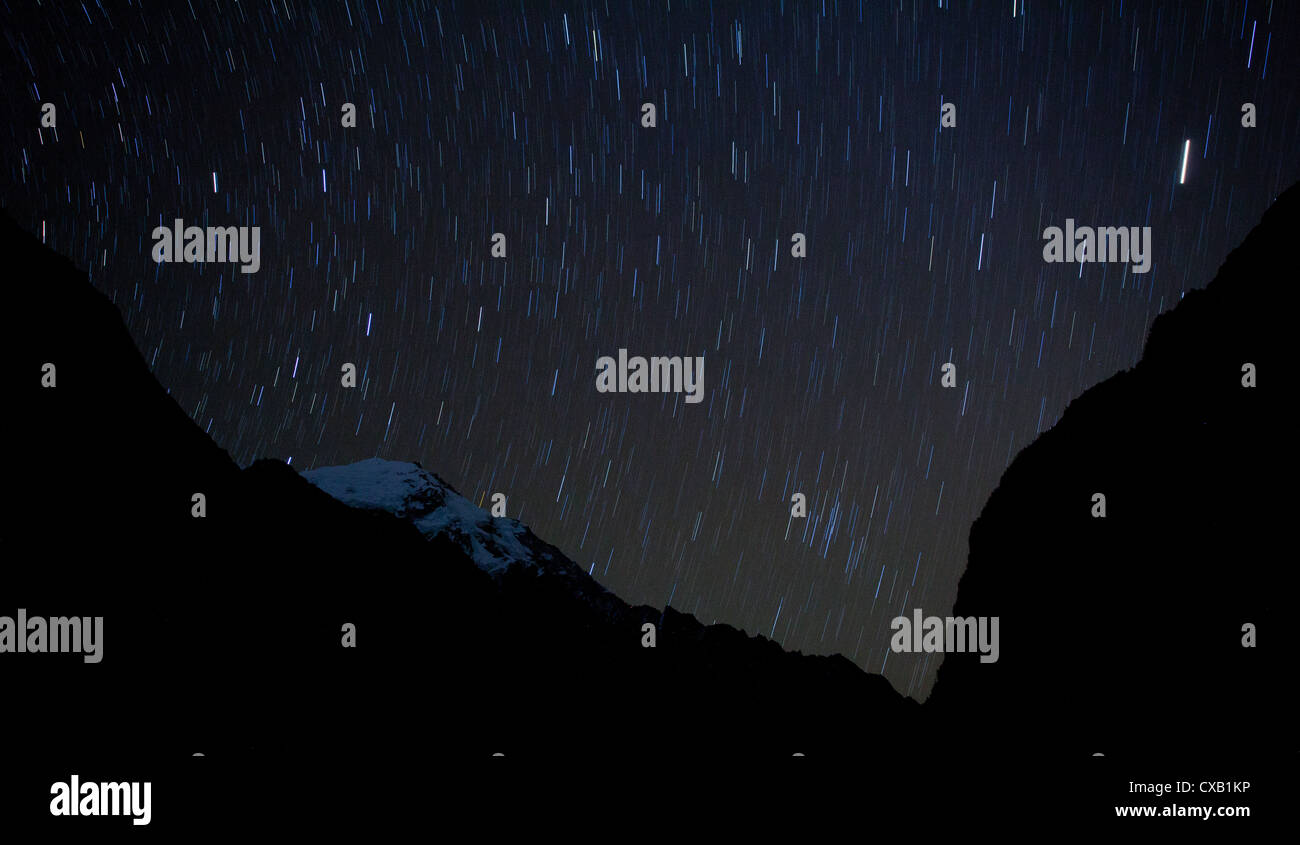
x=413, y=493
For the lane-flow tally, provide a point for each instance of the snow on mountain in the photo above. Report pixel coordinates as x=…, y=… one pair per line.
x=411, y=492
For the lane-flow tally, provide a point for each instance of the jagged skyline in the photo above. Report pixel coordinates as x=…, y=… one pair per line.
x=924, y=246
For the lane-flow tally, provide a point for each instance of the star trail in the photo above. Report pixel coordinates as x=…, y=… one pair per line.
x=822, y=374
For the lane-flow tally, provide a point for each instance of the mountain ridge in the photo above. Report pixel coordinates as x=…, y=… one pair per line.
x=252, y=595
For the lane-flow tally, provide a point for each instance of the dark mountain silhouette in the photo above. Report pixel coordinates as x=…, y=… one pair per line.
x=1126, y=632
x=224, y=632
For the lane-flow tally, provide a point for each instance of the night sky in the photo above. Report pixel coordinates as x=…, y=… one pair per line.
x=822, y=374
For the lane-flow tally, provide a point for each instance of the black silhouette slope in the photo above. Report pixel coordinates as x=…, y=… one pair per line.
x=224, y=632
x=212, y=625
x=1126, y=632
